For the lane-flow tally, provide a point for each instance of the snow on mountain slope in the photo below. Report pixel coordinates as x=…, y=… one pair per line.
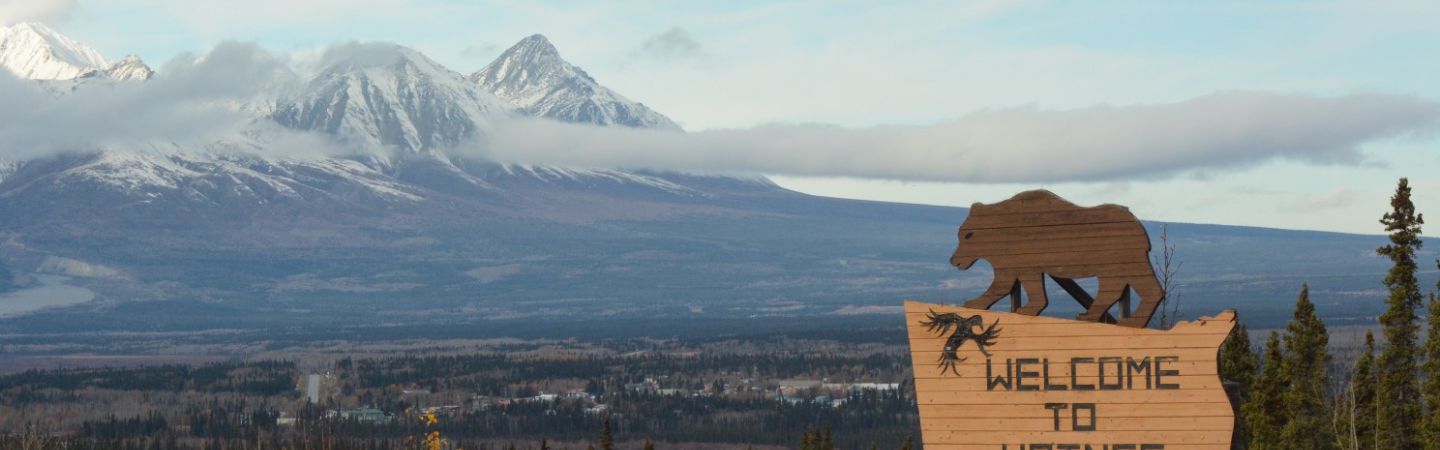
x=129, y=68
x=36, y=52
x=395, y=115
x=379, y=97
x=227, y=180
x=534, y=77
x=33, y=51
x=6, y=168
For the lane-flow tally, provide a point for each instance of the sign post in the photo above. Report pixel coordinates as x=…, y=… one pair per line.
x=1016, y=381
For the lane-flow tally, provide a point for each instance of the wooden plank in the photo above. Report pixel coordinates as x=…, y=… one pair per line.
x=989, y=221
x=1042, y=245
x=1012, y=446
x=1111, y=423
x=926, y=368
x=995, y=438
x=1063, y=232
x=1042, y=397
x=1188, y=381
x=1113, y=410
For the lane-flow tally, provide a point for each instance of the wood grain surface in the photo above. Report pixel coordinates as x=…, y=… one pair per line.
x=1157, y=387
x=1037, y=234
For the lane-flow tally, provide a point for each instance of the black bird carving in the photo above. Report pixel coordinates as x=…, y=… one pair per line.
x=970, y=328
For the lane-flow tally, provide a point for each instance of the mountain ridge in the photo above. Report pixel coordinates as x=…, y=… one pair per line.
x=36, y=52
x=532, y=75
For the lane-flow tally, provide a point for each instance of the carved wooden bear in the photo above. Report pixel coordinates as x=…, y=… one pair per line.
x=1036, y=233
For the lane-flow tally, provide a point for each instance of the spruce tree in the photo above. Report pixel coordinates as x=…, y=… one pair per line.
x=909, y=443
x=1431, y=368
x=1362, y=398
x=1264, y=411
x=1237, y=368
x=1238, y=363
x=1398, y=396
x=1310, y=424
x=607, y=439
x=810, y=441
x=649, y=444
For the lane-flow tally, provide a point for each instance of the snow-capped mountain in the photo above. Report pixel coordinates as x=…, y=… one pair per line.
x=375, y=98
x=532, y=75
x=33, y=51
x=129, y=68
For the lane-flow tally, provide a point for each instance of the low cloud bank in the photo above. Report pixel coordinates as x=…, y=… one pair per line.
x=222, y=96
x=1215, y=132
x=49, y=11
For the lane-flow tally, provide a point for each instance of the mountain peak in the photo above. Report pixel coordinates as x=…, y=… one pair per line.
x=34, y=51
x=126, y=69
x=382, y=96
x=536, y=43
x=532, y=76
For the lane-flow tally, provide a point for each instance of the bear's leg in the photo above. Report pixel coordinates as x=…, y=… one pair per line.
x=1003, y=284
x=1110, y=292
x=1150, y=295
x=1035, y=299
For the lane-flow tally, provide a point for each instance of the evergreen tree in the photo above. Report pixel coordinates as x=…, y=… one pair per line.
x=1431, y=386
x=1362, y=399
x=810, y=441
x=1310, y=424
x=649, y=444
x=1237, y=368
x=1238, y=363
x=1264, y=411
x=827, y=441
x=607, y=440
x=909, y=443
x=1398, y=396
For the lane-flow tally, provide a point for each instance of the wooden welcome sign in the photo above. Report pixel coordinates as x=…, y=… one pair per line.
x=1016, y=381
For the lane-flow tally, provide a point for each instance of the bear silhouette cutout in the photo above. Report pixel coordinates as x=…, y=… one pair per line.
x=1037, y=233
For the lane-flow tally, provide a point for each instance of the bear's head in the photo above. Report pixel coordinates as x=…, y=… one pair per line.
x=964, y=255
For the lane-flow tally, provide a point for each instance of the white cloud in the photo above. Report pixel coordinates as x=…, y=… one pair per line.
x=1335, y=199
x=47, y=11
x=198, y=99
x=675, y=44
x=1216, y=132
x=193, y=99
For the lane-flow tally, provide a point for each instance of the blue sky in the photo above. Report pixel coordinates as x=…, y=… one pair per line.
x=735, y=65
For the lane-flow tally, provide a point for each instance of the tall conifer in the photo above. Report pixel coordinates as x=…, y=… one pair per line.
x=1238, y=363
x=1310, y=423
x=1362, y=399
x=1398, y=395
x=1265, y=409
x=1431, y=387
x=1237, y=367
x=607, y=439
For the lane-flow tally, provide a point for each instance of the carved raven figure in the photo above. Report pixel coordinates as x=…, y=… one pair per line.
x=970, y=328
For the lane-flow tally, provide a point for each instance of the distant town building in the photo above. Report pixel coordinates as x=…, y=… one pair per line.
x=312, y=388
x=366, y=415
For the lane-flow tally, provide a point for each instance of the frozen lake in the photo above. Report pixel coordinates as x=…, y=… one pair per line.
x=51, y=292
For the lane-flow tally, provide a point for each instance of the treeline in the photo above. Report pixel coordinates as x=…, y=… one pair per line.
x=886, y=417
x=1292, y=397
x=254, y=377
x=492, y=374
